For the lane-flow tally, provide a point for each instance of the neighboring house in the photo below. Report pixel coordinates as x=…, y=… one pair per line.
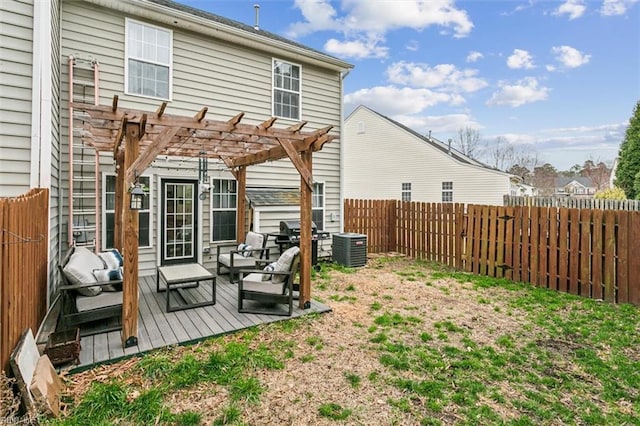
x=147, y=52
x=521, y=189
x=578, y=187
x=387, y=160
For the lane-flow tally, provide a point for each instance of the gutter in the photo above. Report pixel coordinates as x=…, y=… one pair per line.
x=187, y=21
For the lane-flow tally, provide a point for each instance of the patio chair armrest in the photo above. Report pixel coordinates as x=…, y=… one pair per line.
x=226, y=245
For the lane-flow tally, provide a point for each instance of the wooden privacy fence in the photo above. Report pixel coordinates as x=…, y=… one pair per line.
x=24, y=236
x=592, y=253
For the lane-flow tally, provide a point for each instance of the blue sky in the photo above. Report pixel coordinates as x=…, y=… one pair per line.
x=558, y=79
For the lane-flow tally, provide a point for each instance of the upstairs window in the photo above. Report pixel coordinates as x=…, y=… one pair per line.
x=447, y=192
x=148, y=60
x=286, y=90
x=406, y=191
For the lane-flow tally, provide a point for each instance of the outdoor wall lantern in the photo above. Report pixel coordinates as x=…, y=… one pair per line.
x=137, y=197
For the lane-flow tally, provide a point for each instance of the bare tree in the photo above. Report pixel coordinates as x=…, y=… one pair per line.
x=501, y=153
x=468, y=142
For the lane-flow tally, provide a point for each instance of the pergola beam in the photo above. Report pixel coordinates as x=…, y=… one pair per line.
x=305, y=173
x=150, y=153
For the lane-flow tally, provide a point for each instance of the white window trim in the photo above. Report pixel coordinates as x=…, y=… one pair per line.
x=103, y=226
x=324, y=205
x=126, y=59
x=211, y=240
x=404, y=191
x=273, y=90
x=449, y=191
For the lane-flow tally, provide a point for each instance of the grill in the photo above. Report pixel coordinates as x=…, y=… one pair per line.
x=291, y=229
x=290, y=236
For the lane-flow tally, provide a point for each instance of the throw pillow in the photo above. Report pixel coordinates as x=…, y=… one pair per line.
x=245, y=250
x=269, y=268
x=284, y=263
x=78, y=270
x=109, y=275
x=112, y=258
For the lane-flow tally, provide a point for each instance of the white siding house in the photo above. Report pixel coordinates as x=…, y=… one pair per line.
x=147, y=52
x=384, y=159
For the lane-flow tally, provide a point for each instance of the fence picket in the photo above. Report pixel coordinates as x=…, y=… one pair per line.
x=596, y=254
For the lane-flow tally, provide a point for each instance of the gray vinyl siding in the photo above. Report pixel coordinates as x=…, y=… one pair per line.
x=16, y=46
x=226, y=78
x=56, y=250
x=379, y=160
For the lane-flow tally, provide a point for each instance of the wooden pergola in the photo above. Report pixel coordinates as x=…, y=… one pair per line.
x=136, y=138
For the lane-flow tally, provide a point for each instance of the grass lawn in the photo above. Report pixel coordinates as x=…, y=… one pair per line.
x=407, y=343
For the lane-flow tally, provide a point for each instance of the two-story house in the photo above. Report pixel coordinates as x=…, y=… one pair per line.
x=151, y=52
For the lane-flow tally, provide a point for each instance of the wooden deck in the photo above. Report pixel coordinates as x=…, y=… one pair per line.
x=157, y=328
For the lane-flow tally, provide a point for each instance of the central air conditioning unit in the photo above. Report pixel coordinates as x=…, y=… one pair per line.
x=350, y=249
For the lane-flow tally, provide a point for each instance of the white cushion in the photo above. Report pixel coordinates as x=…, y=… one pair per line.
x=283, y=264
x=102, y=300
x=254, y=240
x=253, y=282
x=238, y=260
x=79, y=270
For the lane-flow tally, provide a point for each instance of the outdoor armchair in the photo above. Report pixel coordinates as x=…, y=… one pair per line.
x=243, y=255
x=270, y=286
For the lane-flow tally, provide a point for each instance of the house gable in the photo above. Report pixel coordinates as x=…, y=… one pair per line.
x=382, y=154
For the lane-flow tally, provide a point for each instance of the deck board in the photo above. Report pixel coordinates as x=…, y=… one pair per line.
x=158, y=328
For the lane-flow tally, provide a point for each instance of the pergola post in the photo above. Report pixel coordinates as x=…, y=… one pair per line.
x=130, y=240
x=305, y=233
x=241, y=177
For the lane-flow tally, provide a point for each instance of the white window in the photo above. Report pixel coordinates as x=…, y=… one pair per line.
x=286, y=90
x=317, y=205
x=223, y=210
x=447, y=192
x=406, y=192
x=360, y=127
x=108, y=213
x=148, y=56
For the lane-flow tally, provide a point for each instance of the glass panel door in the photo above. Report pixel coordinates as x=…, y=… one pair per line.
x=179, y=224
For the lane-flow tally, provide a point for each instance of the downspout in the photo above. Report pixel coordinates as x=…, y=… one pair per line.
x=71, y=63
x=96, y=101
x=41, y=104
x=343, y=75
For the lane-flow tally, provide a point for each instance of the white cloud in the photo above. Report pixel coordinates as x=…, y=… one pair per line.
x=522, y=92
x=373, y=19
x=574, y=8
x=570, y=57
x=380, y=16
x=442, y=76
x=474, y=56
x=319, y=15
x=358, y=49
x=412, y=45
x=392, y=100
x=520, y=59
x=616, y=7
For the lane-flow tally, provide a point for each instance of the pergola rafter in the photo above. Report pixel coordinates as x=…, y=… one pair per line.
x=136, y=138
